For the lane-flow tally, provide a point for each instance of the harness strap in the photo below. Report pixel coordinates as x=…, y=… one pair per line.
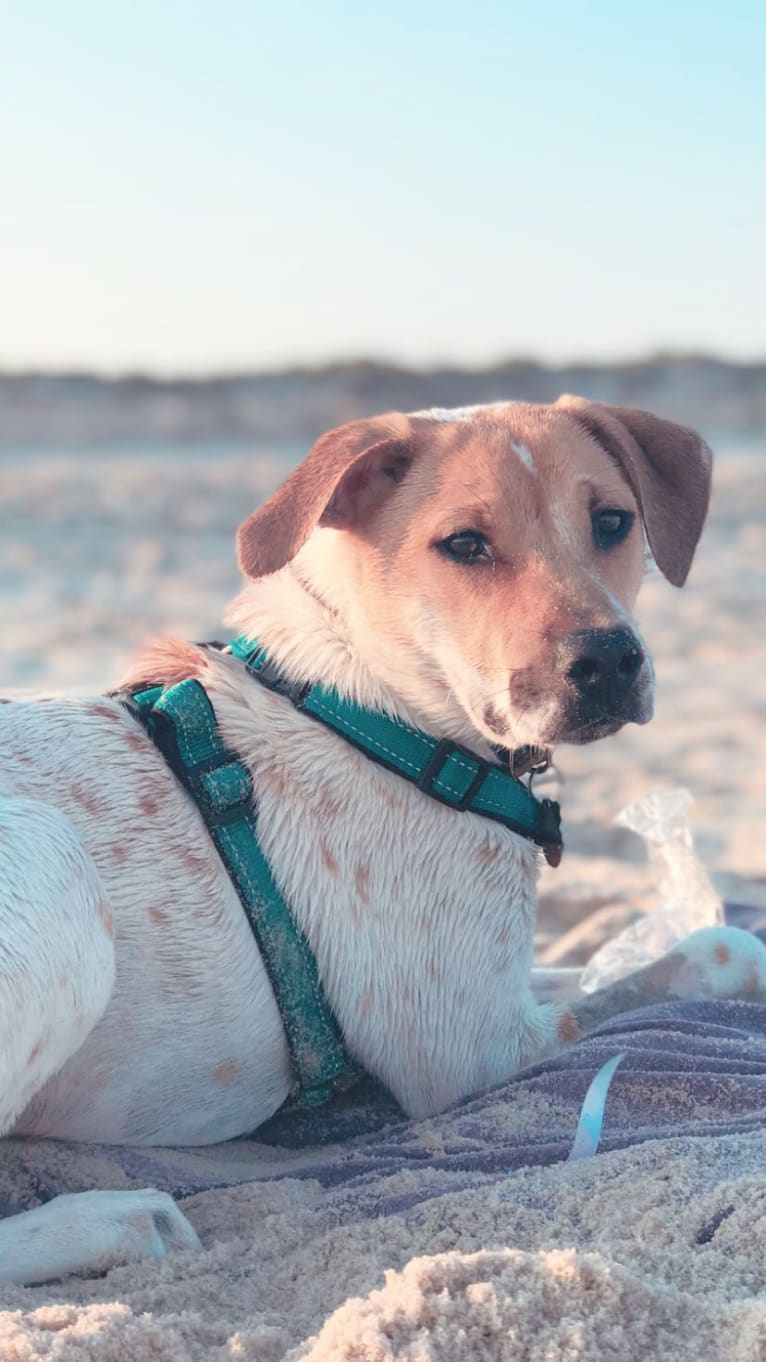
x=181, y=722
x=444, y=770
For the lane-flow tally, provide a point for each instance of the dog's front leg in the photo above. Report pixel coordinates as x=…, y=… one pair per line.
x=90, y=1231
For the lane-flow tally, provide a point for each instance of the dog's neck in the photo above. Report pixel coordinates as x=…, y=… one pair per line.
x=316, y=627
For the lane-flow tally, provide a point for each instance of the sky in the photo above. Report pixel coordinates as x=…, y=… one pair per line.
x=195, y=187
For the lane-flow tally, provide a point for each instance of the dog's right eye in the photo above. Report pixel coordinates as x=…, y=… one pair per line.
x=466, y=547
x=610, y=527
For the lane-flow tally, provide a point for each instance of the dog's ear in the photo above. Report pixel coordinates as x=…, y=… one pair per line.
x=668, y=467
x=348, y=474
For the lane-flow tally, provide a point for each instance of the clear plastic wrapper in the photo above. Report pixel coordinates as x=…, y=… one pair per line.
x=686, y=898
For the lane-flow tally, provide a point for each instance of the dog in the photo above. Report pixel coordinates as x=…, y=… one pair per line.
x=470, y=573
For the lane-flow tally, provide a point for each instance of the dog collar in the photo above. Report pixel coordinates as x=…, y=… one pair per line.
x=444, y=770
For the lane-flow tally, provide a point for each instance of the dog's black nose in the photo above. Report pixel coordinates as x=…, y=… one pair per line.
x=606, y=663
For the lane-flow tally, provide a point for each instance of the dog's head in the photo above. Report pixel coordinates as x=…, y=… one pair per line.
x=498, y=551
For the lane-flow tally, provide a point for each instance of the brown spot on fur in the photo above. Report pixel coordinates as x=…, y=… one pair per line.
x=365, y=1002
x=160, y=916
x=104, y=711
x=136, y=740
x=278, y=782
x=407, y=994
x=362, y=882
x=328, y=803
x=722, y=954
x=105, y=917
x=195, y=863
x=488, y=853
x=34, y=1052
x=81, y=795
x=661, y=973
x=149, y=805
x=568, y=1029
x=227, y=1072
x=119, y=854
x=751, y=982
x=328, y=860
x=164, y=662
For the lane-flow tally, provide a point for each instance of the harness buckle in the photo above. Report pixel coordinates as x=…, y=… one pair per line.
x=273, y=679
x=438, y=759
x=218, y=818
x=228, y=810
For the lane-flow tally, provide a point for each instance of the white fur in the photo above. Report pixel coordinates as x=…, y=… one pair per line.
x=457, y=413
x=524, y=455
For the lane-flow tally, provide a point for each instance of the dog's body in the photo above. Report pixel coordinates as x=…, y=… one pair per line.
x=207, y=1060
x=134, y=1005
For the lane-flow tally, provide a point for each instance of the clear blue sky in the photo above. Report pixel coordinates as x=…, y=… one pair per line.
x=191, y=186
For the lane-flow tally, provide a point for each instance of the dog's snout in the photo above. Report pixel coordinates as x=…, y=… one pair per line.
x=606, y=662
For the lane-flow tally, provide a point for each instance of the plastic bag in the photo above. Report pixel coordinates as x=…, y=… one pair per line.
x=686, y=898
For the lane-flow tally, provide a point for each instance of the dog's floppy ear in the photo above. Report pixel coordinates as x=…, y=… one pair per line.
x=349, y=472
x=668, y=467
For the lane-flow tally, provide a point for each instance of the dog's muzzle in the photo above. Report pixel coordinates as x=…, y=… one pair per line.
x=606, y=672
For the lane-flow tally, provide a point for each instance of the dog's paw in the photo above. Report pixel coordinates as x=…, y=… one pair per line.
x=91, y=1232
x=134, y=1226
x=718, y=962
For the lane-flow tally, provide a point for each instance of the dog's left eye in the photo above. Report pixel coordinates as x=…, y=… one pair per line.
x=611, y=527
x=466, y=547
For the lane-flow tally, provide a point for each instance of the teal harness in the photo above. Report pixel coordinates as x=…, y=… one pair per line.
x=182, y=723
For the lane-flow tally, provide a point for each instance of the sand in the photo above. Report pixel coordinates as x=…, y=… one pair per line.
x=594, y=1261
x=629, y=1256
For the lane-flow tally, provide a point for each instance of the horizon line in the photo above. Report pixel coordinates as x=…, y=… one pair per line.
x=162, y=374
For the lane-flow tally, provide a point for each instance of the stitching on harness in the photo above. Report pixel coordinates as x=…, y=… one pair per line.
x=372, y=741
x=381, y=747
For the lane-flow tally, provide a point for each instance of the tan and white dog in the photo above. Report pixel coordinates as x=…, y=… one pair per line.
x=471, y=572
